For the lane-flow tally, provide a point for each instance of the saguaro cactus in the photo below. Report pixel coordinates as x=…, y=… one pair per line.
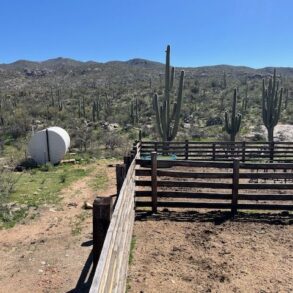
x=271, y=105
x=245, y=101
x=167, y=119
x=232, y=127
x=94, y=110
x=286, y=94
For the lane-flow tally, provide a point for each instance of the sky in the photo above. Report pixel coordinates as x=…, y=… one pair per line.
x=255, y=33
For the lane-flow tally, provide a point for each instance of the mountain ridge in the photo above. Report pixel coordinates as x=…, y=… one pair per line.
x=22, y=63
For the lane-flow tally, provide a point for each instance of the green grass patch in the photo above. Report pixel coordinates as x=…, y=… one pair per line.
x=77, y=223
x=39, y=186
x=8, y=220
x=99, y=181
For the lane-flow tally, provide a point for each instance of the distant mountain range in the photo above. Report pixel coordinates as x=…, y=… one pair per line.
x=70, y=72
x=136, y=62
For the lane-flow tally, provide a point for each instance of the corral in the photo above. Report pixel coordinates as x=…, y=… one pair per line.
x=217, y=178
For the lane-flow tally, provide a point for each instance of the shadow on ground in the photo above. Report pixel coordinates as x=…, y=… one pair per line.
x=217, y=217
x=86, y=277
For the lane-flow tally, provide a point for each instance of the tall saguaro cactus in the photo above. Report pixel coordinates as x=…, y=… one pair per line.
x=167, y=118
x=271, y=105
x=232, y=127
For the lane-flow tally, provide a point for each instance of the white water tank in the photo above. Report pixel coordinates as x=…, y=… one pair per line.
x=49, y=145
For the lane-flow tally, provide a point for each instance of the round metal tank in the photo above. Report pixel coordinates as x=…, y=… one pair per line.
x=49, y=145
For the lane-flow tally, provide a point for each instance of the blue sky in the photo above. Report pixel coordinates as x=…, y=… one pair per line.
x=254, y=33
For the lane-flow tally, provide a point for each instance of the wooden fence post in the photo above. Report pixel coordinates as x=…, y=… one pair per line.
x=120, y=176
x=271, y=146
x=132, y=156
x=127, y=162
x=135, y=149
x=140, y=135
x=243, y=151
x=214, y=152
x=186, y=149
x=154, y=182
x=102, y=213
x=235, y=186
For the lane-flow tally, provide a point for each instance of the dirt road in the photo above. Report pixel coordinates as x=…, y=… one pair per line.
x=47, y=253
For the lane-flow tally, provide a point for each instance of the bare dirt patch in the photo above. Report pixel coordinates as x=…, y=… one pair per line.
x=47, y=253
x=205, y=252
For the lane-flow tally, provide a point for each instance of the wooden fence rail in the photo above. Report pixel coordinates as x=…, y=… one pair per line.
x=221, y=151
x=112, y=261
x=206, y=184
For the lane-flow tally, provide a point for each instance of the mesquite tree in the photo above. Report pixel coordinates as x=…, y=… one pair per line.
x=168, y=119
x=271, y=105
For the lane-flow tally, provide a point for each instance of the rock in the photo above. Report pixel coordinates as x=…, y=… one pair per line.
x=87, y=206
x=19, y=168
x=72, y=204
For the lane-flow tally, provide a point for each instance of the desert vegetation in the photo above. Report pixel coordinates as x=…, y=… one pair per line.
x=105, y=107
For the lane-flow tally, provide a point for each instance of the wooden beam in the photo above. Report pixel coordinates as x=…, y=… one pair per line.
x=154, y=181
x=235, y=184
x=102, y=213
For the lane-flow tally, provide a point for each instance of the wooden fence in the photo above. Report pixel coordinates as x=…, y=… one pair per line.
x=220, y=185
x=112, y=260
x=185, y=183
x=223, y=151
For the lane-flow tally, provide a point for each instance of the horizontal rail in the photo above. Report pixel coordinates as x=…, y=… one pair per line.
x=178, y=174
x=176, y=194
x=201, y=195
x=184, y=205
x=184, y=184
x=194, y=205
x=163, y=163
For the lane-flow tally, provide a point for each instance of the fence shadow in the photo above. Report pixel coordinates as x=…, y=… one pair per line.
x=86, y=277
x=217, y=217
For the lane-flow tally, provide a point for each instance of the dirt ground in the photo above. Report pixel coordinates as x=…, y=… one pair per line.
x=207, y=252
x=47, y=253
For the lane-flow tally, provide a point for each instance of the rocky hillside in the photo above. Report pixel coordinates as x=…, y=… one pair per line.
x=92, y=99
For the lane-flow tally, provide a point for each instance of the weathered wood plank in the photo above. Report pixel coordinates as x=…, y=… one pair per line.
x=266, y=197
x=178, y=194
x=109, y=265
x=185, y=184
x=235, y=185
x=154, y=181
x=177, y=204
x=180, y=163
x=266, y=186
x=266, y=175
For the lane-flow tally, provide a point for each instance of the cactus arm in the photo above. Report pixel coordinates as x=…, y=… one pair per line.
x=178, y=106
x=158, y=114
x=227, y=125
x=164, y=125
x=172, y=77
x=167, y=84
